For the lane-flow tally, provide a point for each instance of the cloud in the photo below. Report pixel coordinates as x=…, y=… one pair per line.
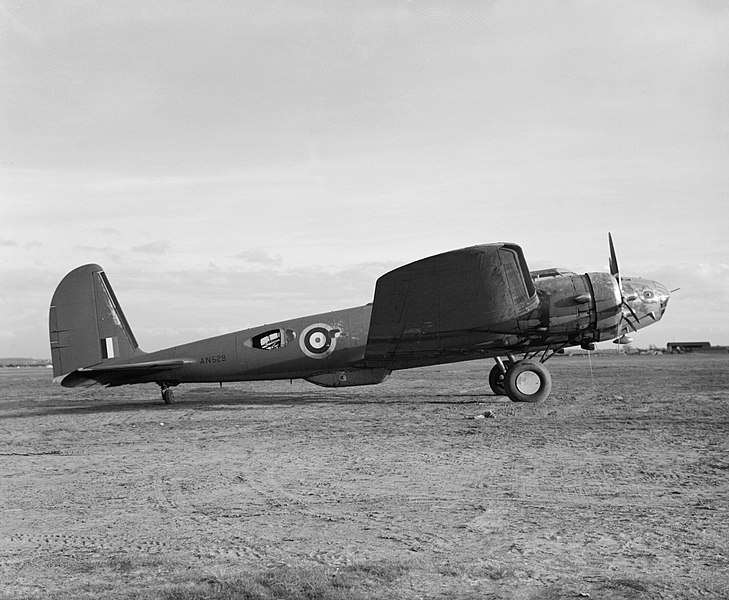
x=158, y=247
x=11, y=243
x=13, y=27
x=24, y=299
x=706, y=283
x=257, y=256
x=106, y=251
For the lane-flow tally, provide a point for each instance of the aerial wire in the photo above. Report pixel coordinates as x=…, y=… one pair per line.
x=592, y=377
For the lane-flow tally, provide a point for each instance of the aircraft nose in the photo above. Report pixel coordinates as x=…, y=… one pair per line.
x=663, y=295
x=661, y=290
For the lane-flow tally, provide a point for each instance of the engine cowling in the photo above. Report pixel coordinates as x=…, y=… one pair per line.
x=577, y=308
x=606, y=305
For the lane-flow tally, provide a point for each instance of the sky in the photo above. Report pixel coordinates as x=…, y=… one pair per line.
x=237, y=163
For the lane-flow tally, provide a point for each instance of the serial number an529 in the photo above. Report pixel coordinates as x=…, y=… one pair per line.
x=218, y=358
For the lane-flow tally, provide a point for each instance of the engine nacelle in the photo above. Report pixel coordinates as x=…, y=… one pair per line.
x=576, y=308
x=606, y=306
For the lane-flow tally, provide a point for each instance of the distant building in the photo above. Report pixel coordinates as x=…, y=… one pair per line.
x=682, y=347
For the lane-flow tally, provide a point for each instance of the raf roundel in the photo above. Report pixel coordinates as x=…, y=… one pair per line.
x=318, y=340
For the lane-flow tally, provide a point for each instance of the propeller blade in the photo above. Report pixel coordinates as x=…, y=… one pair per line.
x=632, y=312
x=614, y=270
x=630, y=323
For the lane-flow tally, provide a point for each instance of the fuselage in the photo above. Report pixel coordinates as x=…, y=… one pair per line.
x=331, y=348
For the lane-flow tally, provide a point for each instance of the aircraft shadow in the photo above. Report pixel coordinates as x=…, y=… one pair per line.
x=207, y=401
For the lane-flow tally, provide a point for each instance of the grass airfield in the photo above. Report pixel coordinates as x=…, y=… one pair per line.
x=614, y=487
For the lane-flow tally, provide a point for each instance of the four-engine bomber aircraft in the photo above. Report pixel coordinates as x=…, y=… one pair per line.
x=476, y=302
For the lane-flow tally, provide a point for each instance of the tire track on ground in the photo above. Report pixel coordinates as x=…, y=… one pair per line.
x=86, y=542
x=172, y=497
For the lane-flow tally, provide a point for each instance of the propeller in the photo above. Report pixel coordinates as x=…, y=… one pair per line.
x=615, y=272
x=614, y=269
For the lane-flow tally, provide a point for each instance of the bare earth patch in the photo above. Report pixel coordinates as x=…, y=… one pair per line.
x=615, y=487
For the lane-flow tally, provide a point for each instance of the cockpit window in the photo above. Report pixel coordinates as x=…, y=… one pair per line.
x=554, y=272
x=272, y=339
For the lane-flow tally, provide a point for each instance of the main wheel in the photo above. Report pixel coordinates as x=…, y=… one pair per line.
x=527, y=381
x=496, y=378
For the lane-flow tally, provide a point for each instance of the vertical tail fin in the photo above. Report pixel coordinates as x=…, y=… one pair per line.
x=86, y=322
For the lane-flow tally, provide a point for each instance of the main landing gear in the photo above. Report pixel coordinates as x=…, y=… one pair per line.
x=521, y=381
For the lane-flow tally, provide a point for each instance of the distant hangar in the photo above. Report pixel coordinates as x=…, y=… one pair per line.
x=688, y=347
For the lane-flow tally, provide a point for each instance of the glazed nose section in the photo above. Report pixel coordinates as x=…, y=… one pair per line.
x=662, y=293
x=645, y=302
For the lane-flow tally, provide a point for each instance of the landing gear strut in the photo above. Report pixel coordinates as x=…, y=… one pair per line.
x=521, y=381
x=497, y=376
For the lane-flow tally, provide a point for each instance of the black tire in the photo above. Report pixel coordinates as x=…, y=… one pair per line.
x=496, y=378
x=527, y=381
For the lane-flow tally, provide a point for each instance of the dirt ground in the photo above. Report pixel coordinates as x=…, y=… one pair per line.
x=615, y=487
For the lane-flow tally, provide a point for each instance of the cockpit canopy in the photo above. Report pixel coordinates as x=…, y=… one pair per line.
x=553, y=272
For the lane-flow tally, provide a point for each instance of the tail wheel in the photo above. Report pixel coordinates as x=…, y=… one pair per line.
x=168, y=396
x=527, y=381
x=496, y=378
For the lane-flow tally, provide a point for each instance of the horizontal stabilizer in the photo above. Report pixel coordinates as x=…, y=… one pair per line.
x=120, y=374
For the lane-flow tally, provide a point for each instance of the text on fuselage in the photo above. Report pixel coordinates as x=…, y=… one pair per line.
x=216, y=358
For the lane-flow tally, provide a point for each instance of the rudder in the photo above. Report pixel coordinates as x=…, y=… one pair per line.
x=86, y=322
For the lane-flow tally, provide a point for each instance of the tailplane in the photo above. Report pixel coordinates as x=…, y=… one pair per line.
x=86, y=323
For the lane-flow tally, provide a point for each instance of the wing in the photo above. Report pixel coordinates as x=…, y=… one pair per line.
x=120, y=374
x=449, y=302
